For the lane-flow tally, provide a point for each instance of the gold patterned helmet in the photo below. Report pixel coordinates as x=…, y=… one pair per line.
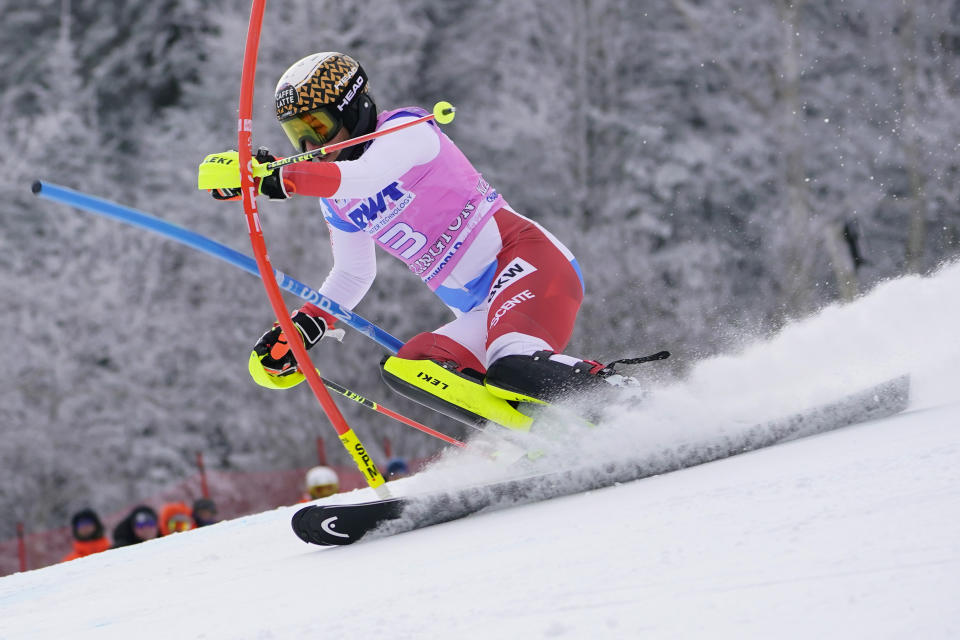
x=321, y=94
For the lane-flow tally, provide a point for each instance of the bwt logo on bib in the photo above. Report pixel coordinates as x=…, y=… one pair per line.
x=517, y=269
x=367, y=212
x=378, y=211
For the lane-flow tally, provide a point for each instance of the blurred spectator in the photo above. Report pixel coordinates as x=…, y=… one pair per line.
x=141, y=524
x=320, y=483
x=88, y=535
x=397, y=468
x=176, y=517
x=204, y=512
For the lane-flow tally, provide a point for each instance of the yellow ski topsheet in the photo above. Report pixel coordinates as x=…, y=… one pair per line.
x=511, y=395
x=467, y=394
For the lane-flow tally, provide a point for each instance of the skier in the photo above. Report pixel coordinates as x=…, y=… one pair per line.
x=513, y=288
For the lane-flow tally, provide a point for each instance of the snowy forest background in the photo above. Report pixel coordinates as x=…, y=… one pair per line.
x=719, y=167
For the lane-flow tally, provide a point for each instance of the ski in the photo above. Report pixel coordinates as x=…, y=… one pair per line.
x=346, y=523
x=335, y=525
x=342, y=524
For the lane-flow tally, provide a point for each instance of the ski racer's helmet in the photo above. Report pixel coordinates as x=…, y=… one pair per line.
x=321, y=94
x=321, y=482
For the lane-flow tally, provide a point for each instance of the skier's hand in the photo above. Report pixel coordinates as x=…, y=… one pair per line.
x=219, y=173
x=271, y=184
x=272, y=363
x=225, y=194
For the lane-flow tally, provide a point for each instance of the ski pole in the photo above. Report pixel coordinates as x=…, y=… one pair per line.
x=202, y=243
x=443, y=112
x=348, y=438
x=356, y=397
x=211, y=247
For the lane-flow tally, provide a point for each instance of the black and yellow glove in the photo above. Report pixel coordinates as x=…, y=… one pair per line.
x=272, y=363
x=219, y=173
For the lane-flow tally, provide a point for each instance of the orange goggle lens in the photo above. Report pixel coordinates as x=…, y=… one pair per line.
x=179, y=523
x=317, y=126
x=322, y=490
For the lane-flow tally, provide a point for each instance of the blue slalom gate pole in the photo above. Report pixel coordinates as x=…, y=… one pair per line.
x=196, y=241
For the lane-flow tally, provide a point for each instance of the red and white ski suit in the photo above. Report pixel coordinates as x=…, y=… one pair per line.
x=513, y=287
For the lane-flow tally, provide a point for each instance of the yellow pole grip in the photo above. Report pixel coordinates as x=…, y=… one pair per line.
x=362, y=459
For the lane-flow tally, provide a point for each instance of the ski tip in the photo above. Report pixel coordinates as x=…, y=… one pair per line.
x=305, y=528
x=334, y=525
x=298, y=528
x=37, y=186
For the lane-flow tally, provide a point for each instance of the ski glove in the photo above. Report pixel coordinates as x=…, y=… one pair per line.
x=272, y=363
x=219, y=173
x=271, y=185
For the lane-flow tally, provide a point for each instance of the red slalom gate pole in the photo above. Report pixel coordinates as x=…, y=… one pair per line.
x=348, y=438
x=21, y=547
x=204, y=488
x=321, y=451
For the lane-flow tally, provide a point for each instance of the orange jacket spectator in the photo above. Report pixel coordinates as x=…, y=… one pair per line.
x=174, y=517
x=88, y=535
x=83, y=548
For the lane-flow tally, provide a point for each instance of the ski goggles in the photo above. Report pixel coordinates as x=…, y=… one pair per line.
x=318, y=491
x=317, y=126
x=144, y=523
x=85, y=527
x=179, y=522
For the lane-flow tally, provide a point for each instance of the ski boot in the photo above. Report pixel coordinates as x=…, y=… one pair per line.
x=512, y=390
x=545, y=377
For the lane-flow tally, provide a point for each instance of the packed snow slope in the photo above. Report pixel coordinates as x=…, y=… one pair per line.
x=849, y=534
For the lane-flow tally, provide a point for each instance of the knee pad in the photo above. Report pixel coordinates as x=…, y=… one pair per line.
x=435, y=346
